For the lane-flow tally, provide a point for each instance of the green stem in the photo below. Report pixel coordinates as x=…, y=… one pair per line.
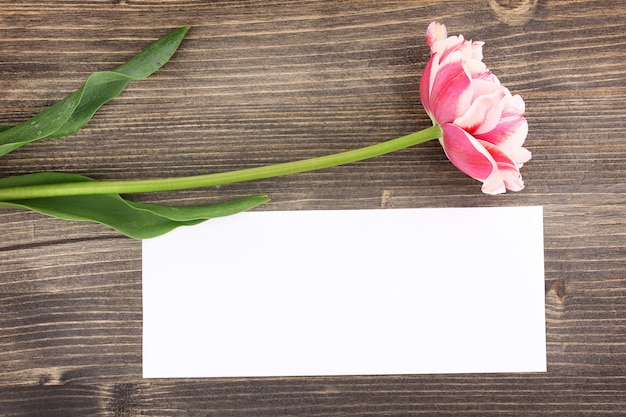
x=208, y=180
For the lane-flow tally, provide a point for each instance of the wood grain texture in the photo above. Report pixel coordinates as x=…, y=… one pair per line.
x=258, y=82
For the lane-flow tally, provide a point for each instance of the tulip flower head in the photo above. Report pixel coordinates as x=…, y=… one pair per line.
x=483, y=125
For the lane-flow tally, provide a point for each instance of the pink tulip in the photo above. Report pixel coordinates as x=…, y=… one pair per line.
x=483, y=125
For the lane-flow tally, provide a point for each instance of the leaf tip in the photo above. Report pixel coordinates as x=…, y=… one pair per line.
x=184, y=29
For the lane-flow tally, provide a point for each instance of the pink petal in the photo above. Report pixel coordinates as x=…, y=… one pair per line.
x=477, y=50
x=483, y=115
x=435, y=32
x=451, y=93
x=468, y=155
x=487, y=76
x=512, y=129
x=520, y=156
x=507, y=168
x=481, y=87
x=515, y=105
x=511, y=177
x=472, y=51
x=448, y=46
x=476, y=68
x=494, y=184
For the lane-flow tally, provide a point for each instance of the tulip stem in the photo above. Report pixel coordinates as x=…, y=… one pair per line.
x=221, y=178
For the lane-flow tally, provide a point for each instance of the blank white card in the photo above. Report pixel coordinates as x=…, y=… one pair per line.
x=347, y=292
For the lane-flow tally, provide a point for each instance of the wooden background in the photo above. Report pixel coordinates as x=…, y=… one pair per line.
x=258, y=82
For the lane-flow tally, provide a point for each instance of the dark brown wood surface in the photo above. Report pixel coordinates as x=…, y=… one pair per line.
x=257, y=82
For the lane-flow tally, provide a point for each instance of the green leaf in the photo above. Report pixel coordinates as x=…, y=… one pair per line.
x=74, y=111
x=135, y=220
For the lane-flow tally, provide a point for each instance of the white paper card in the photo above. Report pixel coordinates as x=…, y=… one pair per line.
x=347, y=292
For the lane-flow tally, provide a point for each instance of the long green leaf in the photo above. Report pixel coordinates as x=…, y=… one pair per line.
x=74, y=111
x=135, y=220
